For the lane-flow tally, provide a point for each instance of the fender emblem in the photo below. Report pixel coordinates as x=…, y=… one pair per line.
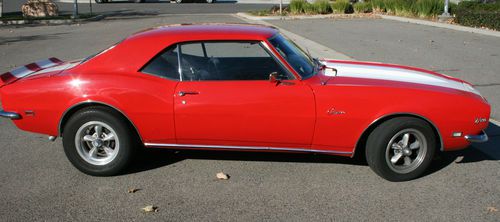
x=479, y=120
x=332, y=111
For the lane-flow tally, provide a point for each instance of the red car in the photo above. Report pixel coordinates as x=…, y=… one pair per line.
x=241, y=87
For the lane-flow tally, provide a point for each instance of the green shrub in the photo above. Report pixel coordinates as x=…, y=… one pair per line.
x=403, y=7
x=297, y=6
x=477, y=14
x=342, y=6
x=322, y=6
x=310, y=9
x=429, y=8
x=362, y=7
x=378, y=5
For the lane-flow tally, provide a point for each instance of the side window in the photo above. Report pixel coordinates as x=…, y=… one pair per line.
x=164, y=64
x=235, y=60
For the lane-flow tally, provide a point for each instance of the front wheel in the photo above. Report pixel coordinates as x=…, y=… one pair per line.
x=210, y=1
x=98, y=142
x=401, y=149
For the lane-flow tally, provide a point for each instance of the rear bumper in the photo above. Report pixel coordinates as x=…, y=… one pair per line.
x=9, y=115
x=481, y=138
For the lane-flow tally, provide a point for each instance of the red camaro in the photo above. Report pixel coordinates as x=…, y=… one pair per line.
x=241, y=87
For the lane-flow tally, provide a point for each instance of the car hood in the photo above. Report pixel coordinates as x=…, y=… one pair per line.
x=396, y=73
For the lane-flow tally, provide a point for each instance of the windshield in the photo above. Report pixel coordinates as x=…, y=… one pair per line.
x=295, y=56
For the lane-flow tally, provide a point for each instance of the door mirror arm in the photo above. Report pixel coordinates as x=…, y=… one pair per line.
x=274, y=78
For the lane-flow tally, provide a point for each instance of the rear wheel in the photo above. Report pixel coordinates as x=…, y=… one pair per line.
x=401, y=149
x=138, y=1
x=98, y=1
x=97, y=141
x=210, y=1
x=178, y=1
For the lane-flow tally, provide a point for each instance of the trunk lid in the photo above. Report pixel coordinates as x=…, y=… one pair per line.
x=51, y=64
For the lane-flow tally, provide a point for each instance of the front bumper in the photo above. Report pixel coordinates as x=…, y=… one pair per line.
x=481, y=138
x=9, y=115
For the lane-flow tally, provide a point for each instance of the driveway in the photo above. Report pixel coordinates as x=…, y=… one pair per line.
x=37, y=183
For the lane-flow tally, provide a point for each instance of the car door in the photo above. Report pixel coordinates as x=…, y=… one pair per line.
x=225, y=98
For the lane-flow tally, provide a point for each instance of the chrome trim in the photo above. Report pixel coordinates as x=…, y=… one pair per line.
x=481, y=138
x=171, y=145
x=100, y=103
x=396, y=114
x=9, y=115
x=268, y=49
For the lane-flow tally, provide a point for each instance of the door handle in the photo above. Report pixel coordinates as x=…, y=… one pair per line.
x=182, y=93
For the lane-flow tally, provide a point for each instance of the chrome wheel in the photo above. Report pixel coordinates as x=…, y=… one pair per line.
x=97, y=143
x=406, y=151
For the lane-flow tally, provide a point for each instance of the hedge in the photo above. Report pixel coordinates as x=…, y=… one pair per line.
x=477, y=14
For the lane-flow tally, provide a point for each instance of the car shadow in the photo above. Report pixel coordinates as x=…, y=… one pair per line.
x=155, y=158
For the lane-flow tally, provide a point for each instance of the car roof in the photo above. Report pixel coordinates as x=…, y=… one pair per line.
x=133, y=52
x=209, y=31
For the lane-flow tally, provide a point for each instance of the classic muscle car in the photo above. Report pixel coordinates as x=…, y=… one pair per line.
x=241, y=87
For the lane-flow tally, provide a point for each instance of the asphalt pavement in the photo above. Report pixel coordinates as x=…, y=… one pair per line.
x=37, y=183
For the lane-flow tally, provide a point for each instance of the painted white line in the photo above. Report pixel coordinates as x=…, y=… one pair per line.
x=316, y=49
x=443, y=25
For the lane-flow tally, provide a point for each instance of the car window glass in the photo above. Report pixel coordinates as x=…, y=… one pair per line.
x=164, y=65
x=194, y=49
x=240, y=60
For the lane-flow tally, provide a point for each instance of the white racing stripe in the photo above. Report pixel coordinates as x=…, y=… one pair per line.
x=394, y=74
x=21, y=72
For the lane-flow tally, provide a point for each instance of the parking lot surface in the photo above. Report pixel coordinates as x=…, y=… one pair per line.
x=38, y=183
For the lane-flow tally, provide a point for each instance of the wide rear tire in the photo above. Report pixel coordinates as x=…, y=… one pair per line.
x=98, y=141
x=401, y=149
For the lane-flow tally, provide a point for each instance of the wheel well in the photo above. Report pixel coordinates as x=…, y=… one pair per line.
x=361, y=145
x=81, y=106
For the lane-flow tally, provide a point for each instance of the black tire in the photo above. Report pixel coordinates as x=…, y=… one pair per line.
x=99, y=1
x=210, y=1
x=138, y=1
x=123, y=144
x=178, y=1
x=386, y=144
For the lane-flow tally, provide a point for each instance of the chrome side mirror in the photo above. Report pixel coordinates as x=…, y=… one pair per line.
x=274, y=78
x=330, y=71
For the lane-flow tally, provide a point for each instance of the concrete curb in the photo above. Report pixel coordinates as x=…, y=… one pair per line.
x=293, y=17
x=315, y=48
x=443, y=25
x=51, y=21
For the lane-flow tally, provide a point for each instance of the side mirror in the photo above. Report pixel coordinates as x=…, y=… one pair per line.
x=274, y=78
x=329, y=71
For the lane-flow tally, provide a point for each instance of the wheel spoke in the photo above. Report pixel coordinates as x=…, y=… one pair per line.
x=110, y=136
x=108, y=150
x=415, y=145
x=407, y=161
x=406, y=137
x=98, y=130
x=88, y=138
x=396, y=146
x=396, y=157
x=92, y=152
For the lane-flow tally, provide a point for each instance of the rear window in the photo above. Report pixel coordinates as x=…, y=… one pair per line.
x=165, y=64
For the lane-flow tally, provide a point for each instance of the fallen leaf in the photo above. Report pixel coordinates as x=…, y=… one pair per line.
x=222, y=176
x=492, y=209
x=150, y=208
x=133, y=190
